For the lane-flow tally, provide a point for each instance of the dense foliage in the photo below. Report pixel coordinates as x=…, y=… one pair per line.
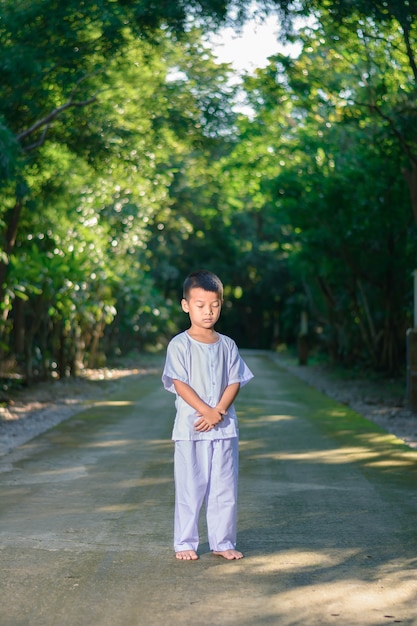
x=125, y=163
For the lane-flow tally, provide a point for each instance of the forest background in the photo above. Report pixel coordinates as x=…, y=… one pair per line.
x=129, y=157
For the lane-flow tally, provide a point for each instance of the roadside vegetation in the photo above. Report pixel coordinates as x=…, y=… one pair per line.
x=126, y=162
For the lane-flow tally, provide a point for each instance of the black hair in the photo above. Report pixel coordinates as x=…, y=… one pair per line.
x=205, y=280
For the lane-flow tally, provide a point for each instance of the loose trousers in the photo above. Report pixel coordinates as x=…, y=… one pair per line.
x=206, y=471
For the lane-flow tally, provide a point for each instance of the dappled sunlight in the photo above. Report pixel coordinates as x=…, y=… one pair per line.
x=164, y=443
x=312, y=456
x=257, y=403
x=338, y=412
x=386, y=439
x=250, y=444
x=96, y=403
x=373, y=458
x=391, y=463
x=112, y=444
x=355, y=440
x=337, y=456
x=298, y=560
x=327, y=540
x=118, y=508
x=144, y=482
x=265, y=419
x=335, y=585
x=51, y=476
x=351, y=602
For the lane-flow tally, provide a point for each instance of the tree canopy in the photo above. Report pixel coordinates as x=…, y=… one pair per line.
x=126, y=162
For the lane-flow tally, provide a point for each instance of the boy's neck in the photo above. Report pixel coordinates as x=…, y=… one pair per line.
x=204, y=335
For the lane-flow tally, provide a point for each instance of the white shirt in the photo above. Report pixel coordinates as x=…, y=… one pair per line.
x=208, y=368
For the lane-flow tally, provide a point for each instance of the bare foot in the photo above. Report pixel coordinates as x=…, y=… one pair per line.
x=186, y=555
x=229, y=554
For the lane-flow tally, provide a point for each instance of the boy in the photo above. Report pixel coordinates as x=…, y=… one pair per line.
x=205, y=371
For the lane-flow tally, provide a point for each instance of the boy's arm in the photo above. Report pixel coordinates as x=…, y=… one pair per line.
x=228, y=397
x=221, y=408
x=209, y=416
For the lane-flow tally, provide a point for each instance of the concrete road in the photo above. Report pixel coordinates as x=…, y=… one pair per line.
x=327, y=518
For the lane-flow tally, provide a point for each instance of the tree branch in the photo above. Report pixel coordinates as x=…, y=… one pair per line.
x=46, y=121
x=398, y=134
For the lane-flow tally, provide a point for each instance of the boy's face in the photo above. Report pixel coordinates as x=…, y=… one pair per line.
x=203, y=307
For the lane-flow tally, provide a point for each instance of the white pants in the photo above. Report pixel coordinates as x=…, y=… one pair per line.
x=206, y=471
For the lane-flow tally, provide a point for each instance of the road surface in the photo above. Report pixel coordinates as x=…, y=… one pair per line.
x=327, y=517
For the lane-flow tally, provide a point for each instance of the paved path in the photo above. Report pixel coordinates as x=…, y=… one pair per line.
x=327, y=518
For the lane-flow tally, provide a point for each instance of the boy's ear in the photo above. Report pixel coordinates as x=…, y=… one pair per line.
x=184, y=306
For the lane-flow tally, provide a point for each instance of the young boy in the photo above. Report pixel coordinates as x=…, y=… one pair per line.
x=205, y=371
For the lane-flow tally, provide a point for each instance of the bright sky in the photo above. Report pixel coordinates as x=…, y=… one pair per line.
x=249, y=48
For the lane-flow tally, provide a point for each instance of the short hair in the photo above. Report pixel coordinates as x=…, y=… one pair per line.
x=205, y=280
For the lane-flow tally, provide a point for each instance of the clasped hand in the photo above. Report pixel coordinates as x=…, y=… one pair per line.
x=209, y=419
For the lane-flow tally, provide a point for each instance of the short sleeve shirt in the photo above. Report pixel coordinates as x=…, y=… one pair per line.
x=208, y=368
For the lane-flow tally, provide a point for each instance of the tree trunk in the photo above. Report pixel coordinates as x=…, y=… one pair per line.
x=411, y=178
x=94, y=359
x=19, y=326
x=11, y=219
